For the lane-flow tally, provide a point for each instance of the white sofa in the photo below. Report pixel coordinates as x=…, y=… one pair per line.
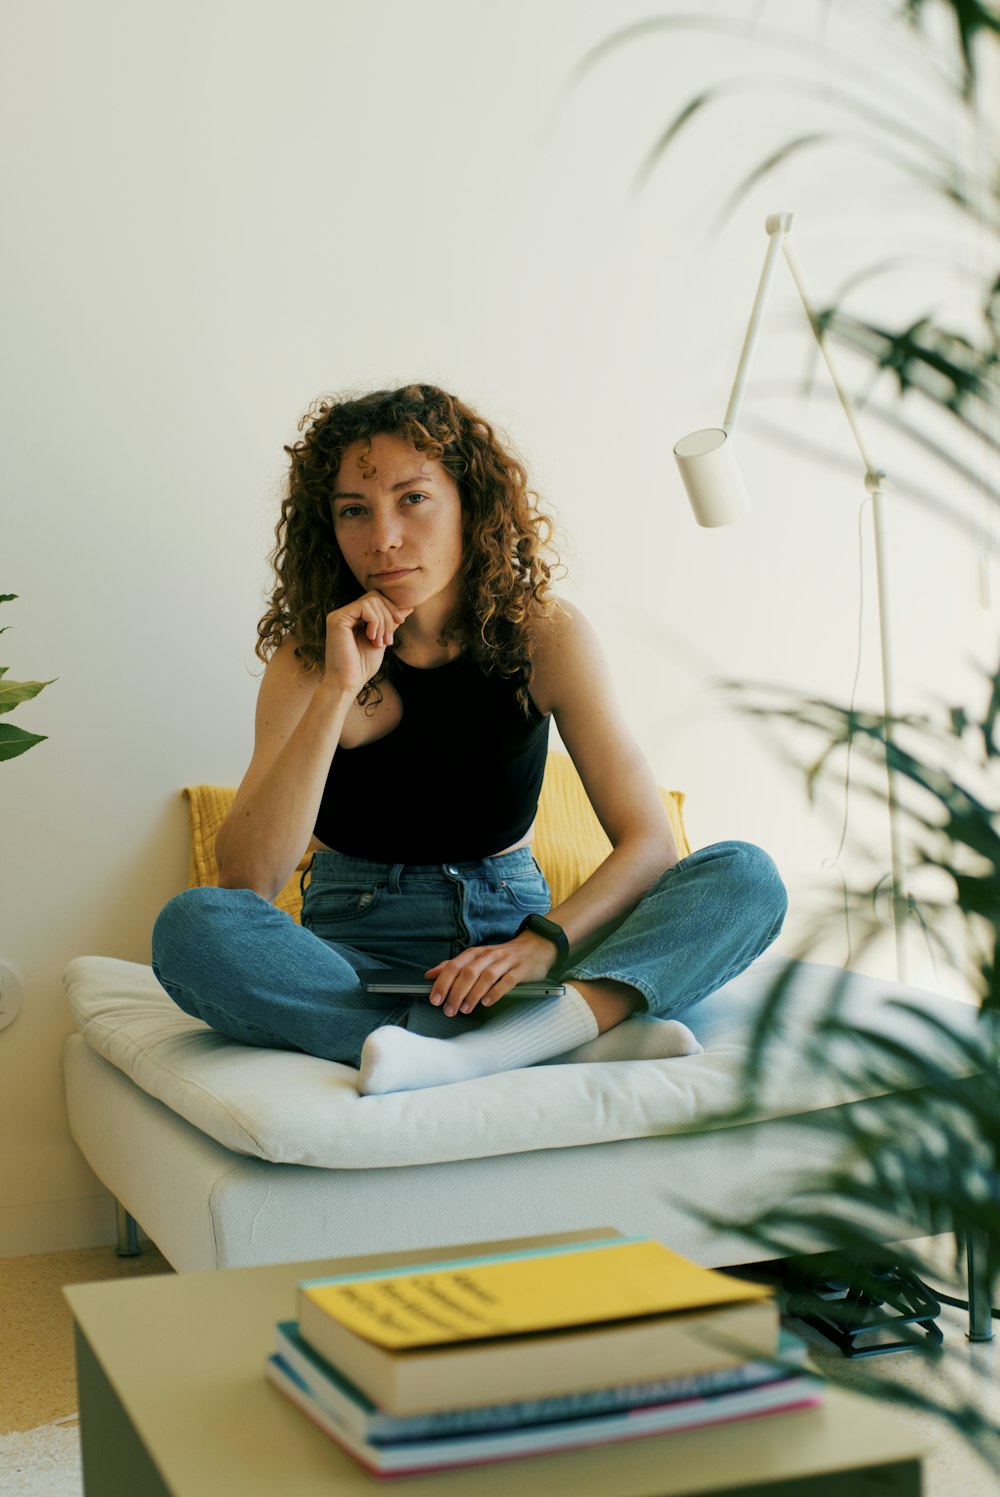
x=230, y=1156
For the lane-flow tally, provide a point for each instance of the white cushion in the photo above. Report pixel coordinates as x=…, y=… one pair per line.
x=295, y=1109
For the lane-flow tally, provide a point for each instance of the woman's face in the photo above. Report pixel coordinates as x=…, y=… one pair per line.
x=397, y=517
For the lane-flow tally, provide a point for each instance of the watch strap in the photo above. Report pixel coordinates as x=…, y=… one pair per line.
x=552, y=932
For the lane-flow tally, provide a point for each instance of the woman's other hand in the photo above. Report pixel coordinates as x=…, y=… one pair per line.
x=357, y=637
x=483, y=974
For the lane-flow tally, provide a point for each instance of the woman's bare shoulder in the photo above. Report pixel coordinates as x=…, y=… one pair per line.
x=561, y=626
x=550, y=622
x=563, y=641
x=287, y=685
x=284, y=665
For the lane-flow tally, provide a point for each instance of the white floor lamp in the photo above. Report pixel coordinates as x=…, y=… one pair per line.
x=718, y=496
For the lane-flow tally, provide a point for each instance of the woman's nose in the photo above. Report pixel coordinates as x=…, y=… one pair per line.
x=385, y=533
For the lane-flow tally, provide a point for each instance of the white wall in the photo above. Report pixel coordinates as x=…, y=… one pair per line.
x=219, y=210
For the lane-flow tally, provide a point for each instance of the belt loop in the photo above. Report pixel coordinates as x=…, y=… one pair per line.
x=306, y=872
x=394, y=873
x=494, y=871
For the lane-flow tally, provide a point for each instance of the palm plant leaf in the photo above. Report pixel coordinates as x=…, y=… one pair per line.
x=932, y=502
x=876, y=81
x=942, y=364
x=853, y=103
x=926, y=1156
x=972, y=21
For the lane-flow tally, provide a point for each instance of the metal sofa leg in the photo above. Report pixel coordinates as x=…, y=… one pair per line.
x=127, y=1245
x=980, y=1286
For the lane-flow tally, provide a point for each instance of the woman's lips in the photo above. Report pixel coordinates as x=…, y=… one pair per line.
x=394, y=575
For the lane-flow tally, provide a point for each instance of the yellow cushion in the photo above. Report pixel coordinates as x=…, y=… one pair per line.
x=209, y=806
x=569, y=841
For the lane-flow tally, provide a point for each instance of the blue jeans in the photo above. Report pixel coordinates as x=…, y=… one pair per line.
x=229, y=957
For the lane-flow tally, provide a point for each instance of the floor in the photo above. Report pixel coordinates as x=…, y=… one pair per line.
x=37, y=1377
x=969, y=1373
x=37, y=1383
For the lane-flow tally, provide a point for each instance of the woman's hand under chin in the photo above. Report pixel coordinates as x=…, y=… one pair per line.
x=357, y=637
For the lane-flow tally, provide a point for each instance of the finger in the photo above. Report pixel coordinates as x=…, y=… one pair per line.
x=463, y=984
x=499, y=990
x=377, y=625
x=393, y=618
x=485, y=984
x=441, y=983
x=455, y=976
x=376, y=611
x=389, y=611
x=365, y=613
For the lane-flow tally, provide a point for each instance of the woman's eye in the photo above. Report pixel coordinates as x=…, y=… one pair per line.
x=418, y=497
x=349, y=512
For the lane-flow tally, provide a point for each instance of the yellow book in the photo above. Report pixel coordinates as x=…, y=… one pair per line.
x=533, y=1322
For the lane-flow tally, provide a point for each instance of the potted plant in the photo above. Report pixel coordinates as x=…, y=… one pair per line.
x=935, y=1166
x=938, y=1166
x=15, y=740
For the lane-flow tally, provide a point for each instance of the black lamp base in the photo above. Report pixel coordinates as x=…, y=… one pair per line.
x=846, y=1300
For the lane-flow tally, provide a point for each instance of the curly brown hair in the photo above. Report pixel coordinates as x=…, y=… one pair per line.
x=508, y=558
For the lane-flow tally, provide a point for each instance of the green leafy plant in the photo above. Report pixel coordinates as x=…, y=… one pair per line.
x=931, y=1164
x=924, y=119
x=13, y=740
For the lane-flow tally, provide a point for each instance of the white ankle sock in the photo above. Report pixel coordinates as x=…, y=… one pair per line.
x=639, y=1038
x=395, y=1060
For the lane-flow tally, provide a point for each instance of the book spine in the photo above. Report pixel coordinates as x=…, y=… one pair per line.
x=344, y=1402
x=547, y=1364
x=794, y=1392
x=384, y=1428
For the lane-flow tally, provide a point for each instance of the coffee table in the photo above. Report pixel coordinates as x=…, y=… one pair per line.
x=174, y=1403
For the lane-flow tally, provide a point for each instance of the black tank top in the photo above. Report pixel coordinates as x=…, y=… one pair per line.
x=457, y=779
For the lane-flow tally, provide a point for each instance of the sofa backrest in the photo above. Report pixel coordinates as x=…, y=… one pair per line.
x=569, y=841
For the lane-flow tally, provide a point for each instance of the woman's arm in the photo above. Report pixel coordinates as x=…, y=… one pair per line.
x=573, y=682
x=298, y=725
x=299, y=722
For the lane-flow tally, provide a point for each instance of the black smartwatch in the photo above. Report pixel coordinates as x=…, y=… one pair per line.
x=552, y=932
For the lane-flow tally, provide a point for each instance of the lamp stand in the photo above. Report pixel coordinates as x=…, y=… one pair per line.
x=778, y=227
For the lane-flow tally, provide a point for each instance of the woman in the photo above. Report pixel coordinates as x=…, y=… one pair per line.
x=415, y=656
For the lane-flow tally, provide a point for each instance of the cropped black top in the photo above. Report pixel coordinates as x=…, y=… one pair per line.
x=457, y=779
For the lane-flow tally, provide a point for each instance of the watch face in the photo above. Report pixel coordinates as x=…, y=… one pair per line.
x=550, y=930
x=540, y=924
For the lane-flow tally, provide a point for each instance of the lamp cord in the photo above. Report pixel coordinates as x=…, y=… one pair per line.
x=834, y=862
x=946, y=1299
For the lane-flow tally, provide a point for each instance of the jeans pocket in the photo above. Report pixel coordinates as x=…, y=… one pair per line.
x=329, y=907
x=528, y=893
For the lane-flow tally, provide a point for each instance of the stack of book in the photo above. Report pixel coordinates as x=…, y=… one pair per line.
x=544, y=1348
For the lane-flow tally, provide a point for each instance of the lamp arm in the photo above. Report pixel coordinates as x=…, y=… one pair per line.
x=874, y=481
x=798, y=276
x=717, y=494
x=778, y=226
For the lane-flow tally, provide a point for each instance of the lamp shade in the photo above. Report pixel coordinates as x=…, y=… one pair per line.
x=711, y=475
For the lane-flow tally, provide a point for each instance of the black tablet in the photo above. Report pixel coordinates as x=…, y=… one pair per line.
x=411, y=980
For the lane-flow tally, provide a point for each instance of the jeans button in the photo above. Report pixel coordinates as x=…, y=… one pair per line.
x=450, y=868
